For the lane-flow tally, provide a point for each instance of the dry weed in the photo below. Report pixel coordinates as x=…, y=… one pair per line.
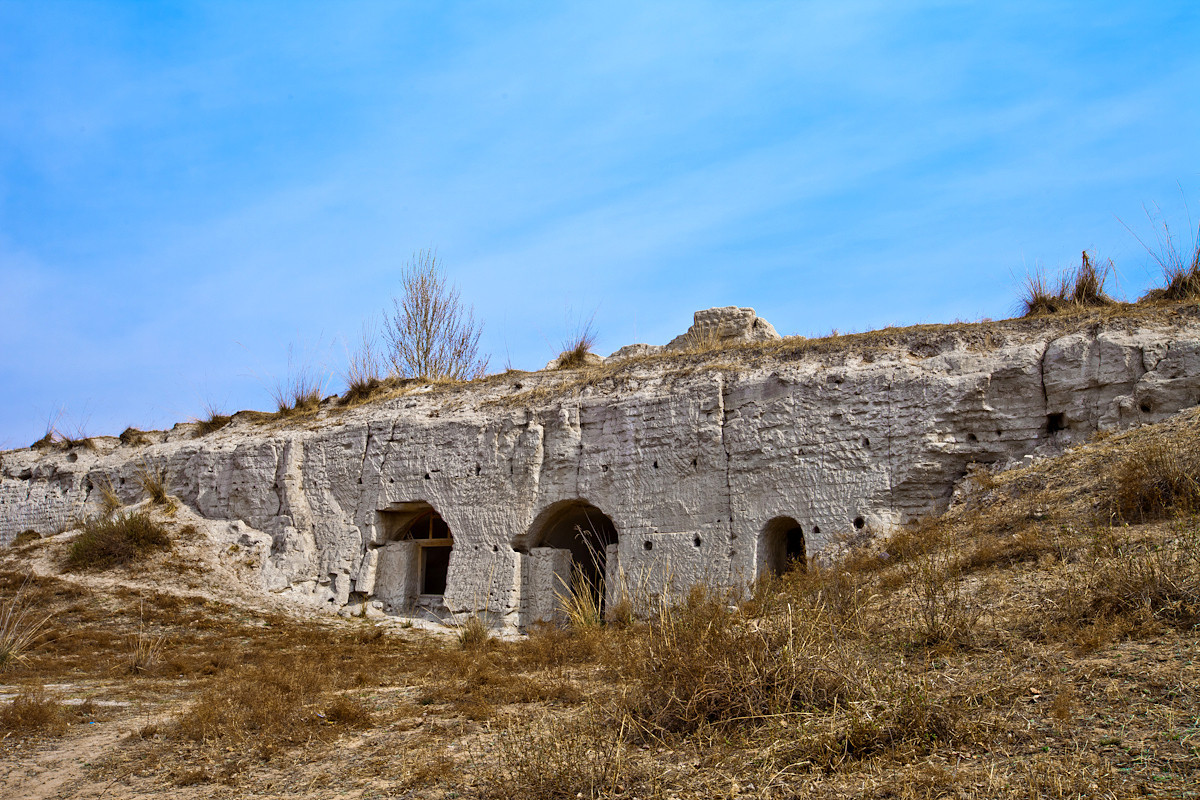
x=20, y=627
x=32, y=713
x=153, y=479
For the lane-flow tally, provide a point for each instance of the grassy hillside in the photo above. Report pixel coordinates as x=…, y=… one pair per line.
x=1039, y=640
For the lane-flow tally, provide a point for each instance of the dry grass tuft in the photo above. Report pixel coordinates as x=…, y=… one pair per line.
x=703, y=662
x=350, y=712
x=261, y=708
x=133, y=437
x=1081, y=287
x=1157, y=582
x=583, y=600
x=299, y=394
x=212, y=421
x=1180, y=263
x=116, y=541
x=1155, y=479
x=20, y=628
x=365, y=369
x=110, y=501
x=473, y=633
x=153, y=480
x=32, y=713
x=575, y=350
x=558, y=758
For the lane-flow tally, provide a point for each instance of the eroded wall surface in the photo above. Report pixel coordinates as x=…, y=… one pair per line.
x=690, y=456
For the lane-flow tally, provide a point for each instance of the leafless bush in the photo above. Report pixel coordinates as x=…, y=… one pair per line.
x=429, y=333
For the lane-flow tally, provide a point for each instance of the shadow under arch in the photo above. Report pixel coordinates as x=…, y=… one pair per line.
x=580, y=527
x=782, y=546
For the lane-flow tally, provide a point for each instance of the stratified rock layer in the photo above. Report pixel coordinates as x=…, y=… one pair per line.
x=709, y=467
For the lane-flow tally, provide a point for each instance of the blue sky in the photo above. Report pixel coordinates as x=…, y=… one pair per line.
x=190, y=190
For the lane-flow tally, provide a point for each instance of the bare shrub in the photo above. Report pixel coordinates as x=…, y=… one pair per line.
x=945, y=612
x=116, y=541
x=429, y=333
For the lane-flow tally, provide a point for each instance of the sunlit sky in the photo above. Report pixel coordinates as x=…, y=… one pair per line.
x=189, y=192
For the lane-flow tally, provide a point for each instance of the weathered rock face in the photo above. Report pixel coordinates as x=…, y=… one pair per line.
x=709, y=467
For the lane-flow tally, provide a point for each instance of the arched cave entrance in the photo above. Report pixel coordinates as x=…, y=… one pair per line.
x=415, y=556
x=782, y=545
x=584, y=530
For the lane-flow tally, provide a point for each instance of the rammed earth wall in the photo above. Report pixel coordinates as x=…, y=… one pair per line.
x=692, y=458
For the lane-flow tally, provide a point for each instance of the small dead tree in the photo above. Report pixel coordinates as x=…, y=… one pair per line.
x=429, y=333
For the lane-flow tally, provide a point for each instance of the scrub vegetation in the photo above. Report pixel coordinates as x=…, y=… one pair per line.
x=116, y=540
x=1039, y=640
x=1083, y=286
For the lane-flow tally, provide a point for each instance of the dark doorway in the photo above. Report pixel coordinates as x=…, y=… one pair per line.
x=783, y=546
x=587, y=532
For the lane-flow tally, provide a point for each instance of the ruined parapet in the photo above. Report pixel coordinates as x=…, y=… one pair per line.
x=727, y=325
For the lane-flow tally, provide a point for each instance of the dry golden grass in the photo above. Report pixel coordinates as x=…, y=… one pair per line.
x=29, y=714
x=1027, y=644
x=212, y=421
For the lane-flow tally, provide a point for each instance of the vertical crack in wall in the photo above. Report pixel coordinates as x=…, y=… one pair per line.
x=1042, y=376
x=725, y=450
x=362, y=464
x=891, y=454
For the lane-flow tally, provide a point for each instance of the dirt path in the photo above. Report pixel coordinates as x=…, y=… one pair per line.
x=60, y=768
